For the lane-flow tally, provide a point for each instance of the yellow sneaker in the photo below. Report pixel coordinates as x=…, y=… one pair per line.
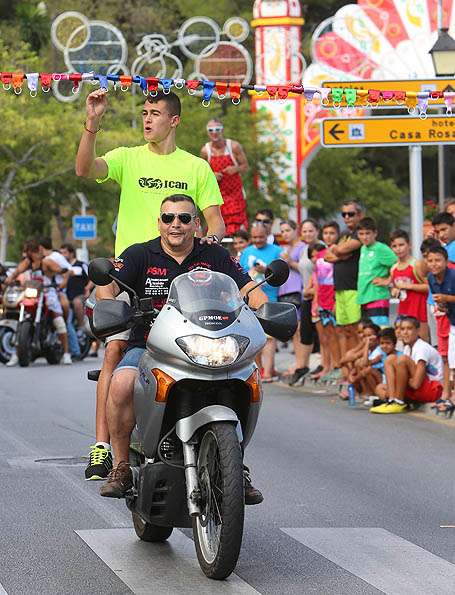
x=392, y=407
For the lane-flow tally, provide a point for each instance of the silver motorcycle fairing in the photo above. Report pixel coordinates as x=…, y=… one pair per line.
x=10, y=323
x=187, y=426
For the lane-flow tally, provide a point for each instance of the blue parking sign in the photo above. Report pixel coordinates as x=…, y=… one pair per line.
x=84, y=227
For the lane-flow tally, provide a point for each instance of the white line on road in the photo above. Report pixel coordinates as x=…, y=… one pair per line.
x=2, y=591
x=382, y=559
x=165, y=568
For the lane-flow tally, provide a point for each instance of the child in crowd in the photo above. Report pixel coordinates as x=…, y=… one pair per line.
x=375, y=261
x=415, y=376
x=367, y=371
x=397, y=329
x=241, y=239
x=347, y=361
x=409, y=283
x=388, y=345
x=444, y=227
x=442, y=283
x=310, y=293
x=325, y=299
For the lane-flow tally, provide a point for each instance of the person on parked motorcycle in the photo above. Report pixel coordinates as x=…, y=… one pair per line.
x=141, y=266
x=79, y=286
x=145, y=174
x=44, y=269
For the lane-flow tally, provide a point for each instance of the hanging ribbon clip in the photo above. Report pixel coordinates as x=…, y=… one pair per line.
x=207, y=90
x=234, y=91
x=324, y=92
x=448, y=100
x=192, y=86
x=45, y=82
x=387, y=96
x=76, y=79
x=411, y=101
x=167, y=84
x=260, y=90
x=221, y=89
x=337, y=96
x=18, y=80
x=422, y=102
x=6, y=80
x=152, y=85
x=32, y=81
x=373, y=97
x=309, y=93
x=179, y=83
x=400, y=97
x=125, y=82
x=272, y=92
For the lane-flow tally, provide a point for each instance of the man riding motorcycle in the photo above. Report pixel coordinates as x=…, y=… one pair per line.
x=45, y=269
x=149, y=269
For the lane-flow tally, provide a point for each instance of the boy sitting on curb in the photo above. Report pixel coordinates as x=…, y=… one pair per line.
x=414, y=376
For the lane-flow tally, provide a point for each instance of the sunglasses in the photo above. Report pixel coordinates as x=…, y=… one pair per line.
x=263, y=221
x=348, y=214
x=215, y=129
x=183, y=217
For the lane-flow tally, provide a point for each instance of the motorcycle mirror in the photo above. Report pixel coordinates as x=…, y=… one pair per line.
x=277, y=273
x=100, y=271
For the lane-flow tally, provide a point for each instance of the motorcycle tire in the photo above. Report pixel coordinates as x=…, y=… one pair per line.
x=7, y=347
x=85, y=343
x=53, y=356
x=218, y=531
x=148, y=532
x=24, y=342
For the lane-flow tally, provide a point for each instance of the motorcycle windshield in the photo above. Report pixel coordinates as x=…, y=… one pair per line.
x=208, y=299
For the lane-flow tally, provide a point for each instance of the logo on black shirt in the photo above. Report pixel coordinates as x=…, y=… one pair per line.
x=157, y=183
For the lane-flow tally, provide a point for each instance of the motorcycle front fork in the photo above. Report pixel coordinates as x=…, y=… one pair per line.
x=193, y=490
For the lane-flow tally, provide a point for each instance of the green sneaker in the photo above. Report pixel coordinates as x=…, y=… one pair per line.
x=100, y=463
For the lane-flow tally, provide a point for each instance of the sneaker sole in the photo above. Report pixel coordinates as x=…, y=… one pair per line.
x=95, y=478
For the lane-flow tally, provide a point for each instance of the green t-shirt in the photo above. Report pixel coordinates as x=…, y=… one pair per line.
x=375, y=261
x=146, y=179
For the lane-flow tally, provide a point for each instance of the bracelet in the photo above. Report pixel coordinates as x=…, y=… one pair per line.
x=91, y=131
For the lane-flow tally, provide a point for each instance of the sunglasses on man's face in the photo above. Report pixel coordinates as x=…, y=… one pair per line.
x=348, y=214
x=183, y=217
x=263, y=220
x=215, y=129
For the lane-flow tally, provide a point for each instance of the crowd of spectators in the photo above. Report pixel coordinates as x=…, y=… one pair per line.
x=342, y=282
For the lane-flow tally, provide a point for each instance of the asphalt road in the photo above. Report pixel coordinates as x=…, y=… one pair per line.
x=354, y=503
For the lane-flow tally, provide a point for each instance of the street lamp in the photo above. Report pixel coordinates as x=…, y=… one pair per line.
x=443, y=56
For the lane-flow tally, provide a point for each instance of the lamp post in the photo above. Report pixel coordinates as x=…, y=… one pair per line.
x=443, y=56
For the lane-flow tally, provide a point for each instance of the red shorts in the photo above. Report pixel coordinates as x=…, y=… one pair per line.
x=429, y=392
x=443, y=330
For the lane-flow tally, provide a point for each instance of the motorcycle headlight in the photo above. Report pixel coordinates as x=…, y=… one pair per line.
x=31, y=292
x=206, y=351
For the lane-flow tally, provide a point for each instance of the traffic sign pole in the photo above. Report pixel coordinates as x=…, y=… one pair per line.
x=416, y=198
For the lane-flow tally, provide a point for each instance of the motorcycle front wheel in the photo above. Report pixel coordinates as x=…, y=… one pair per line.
x=24, y=342
x=218, y=531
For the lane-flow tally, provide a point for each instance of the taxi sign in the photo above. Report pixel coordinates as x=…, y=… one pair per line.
x=84, y=227
x=415, y=85
x=383, y=130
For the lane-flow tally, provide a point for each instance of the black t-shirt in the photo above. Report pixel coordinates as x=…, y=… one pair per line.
x=345, y=272
x=149, y=270
x=76, y=284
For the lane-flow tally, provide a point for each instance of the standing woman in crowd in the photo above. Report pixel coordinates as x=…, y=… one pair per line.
x=309, y=231
x=291, y=291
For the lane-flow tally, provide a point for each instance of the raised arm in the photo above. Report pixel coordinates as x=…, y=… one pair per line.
x=87, y=164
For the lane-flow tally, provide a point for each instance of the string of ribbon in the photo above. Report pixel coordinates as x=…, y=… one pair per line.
x=329, y=97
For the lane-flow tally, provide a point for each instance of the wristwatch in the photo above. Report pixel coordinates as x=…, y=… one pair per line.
x=215, y=238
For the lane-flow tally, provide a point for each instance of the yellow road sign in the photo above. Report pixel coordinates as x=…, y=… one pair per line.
x=392, y=130
x=415, y=85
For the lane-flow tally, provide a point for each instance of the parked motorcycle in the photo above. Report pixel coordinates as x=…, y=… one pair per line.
x=9, y=316
x=36, y=334
x=197, y=397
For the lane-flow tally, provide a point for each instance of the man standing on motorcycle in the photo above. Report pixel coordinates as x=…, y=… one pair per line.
x=44, y=268
x=145, y=174
x=152, y=266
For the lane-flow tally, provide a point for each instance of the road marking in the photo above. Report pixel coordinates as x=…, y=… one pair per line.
x=164, y=568
x=2, y=590
x=384, y=560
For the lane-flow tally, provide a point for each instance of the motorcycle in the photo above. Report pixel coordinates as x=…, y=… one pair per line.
x=36, y=334
x=197, y=397
x=9, y=313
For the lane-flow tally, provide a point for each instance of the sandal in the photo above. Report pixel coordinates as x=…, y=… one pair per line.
x=436, y=406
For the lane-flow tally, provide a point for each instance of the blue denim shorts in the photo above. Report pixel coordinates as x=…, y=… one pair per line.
x=130, y=360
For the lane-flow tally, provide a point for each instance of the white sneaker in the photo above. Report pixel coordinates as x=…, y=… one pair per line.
x=13, y=361
x=67, y=359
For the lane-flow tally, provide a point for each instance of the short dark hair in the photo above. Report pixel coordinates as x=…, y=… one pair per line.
x=439, y=250
x=333, y=224
x=399, y=233
x=412, y=319
x=68, y=247
x=179, y=198
x=364, y=320
x=367, y=223
x=315, y=247
x=429, y=243
x=217, y=120
x=449, y=202
x=388, y=333
x=31, y=246
x=289, y=222
x=241, y=233
x=313, y=222
x=267, y=212
x=357, y=205
x=373, y=326
x=171, y=100
x=443, y=218
x=45, y=242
